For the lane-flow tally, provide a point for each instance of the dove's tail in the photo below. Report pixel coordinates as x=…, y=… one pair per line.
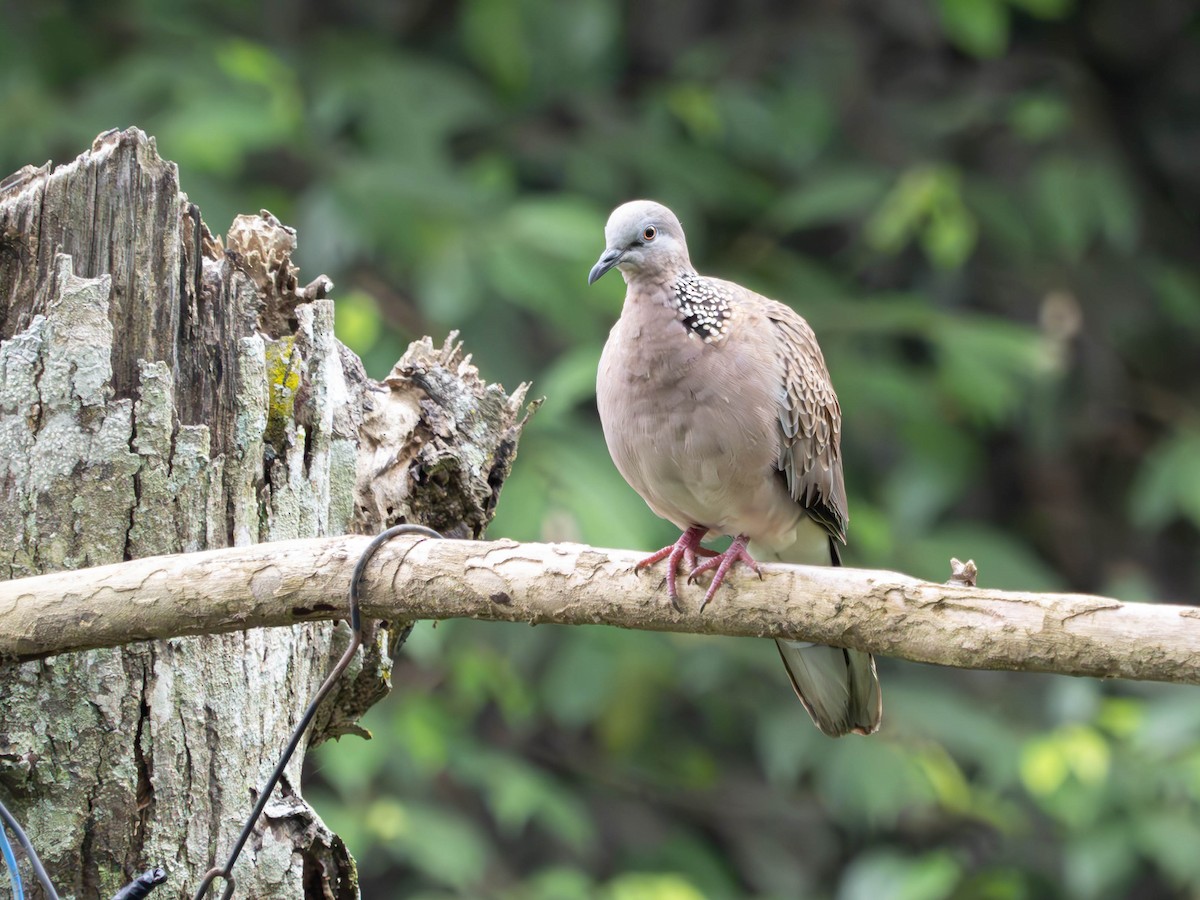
x=837, y=686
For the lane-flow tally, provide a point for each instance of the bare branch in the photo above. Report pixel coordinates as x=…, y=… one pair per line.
x=891, y=614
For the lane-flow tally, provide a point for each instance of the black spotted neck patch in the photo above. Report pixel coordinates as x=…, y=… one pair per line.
x=703, y=305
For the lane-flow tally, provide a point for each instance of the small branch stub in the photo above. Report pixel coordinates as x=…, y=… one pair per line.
x=962, y=573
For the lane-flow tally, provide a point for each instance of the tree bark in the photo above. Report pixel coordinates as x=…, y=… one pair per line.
x=161, y=392
x=287, y=583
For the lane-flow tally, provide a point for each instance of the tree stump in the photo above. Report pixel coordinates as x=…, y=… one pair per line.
x=162, y=390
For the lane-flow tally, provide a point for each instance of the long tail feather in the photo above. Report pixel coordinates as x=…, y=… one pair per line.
x=839, y=687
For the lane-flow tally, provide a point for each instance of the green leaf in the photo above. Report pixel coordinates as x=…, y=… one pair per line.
x=570, y=382
x=988, y=366
x=949, y=237
x=426, y=730
x=1004, y=220
x=566, y=227
x=555, y=883
x=446, y=281
x=872, y=783
x=352, y=765
x=690, y=856
x=1116, y=209
x=896, y=220
x=646, y=886
x=696, y=107
x=1071, y=751
x=579, y=682
x=1170, y=838
x=517, y=794
x=977, y=27
x=925, y=203
x=785, y=751
x=886, y=875
x=834, y=195
x=1061, y=193
x=1167, y=485
x=356, y=320
x=255, y=64
x=1039, y=117
x=933, y=474
x=1099, y=862
x=979, y=738
x=1170, y=724
x=494, y=36
x=1177, y=290
x=1121, y=717
x=446, y=847
x=1043, y=768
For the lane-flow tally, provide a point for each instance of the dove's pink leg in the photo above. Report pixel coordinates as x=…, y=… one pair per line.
x=723, y=562
x=684, y=550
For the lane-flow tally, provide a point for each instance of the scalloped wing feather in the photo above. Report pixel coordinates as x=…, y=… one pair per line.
x=810, y=423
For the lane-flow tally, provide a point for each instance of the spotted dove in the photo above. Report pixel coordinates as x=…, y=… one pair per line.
x=718, y=409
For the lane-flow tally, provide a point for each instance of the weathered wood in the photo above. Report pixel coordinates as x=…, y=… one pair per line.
x=162, y=390
x=952, y=624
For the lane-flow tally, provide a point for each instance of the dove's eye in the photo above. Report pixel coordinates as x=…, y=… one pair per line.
x=649, y=233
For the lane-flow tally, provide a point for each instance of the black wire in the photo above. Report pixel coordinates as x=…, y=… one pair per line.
x=355, y=619
x=34, y=862
x=142, y=885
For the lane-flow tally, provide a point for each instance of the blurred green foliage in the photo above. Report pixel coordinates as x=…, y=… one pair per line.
x=988, y=211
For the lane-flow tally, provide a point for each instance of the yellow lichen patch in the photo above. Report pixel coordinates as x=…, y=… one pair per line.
x=283, y=379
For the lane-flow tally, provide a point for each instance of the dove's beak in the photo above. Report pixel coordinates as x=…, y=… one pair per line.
x=606, y=261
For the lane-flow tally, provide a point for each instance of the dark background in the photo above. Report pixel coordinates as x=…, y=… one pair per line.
x=987, y=209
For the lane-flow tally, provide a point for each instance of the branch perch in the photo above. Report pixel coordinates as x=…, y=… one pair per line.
x=282, y=583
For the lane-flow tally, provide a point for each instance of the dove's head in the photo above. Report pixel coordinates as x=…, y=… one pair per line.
x=642, y=238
